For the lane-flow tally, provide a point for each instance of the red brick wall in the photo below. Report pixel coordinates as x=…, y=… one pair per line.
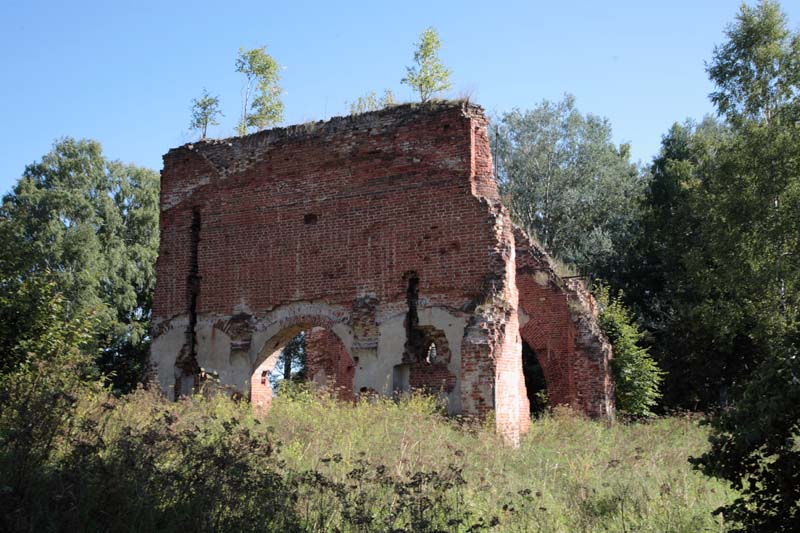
x=260, y=388
x=325, y=352
x=550, y=333
x=390, y=195
x=562, y=330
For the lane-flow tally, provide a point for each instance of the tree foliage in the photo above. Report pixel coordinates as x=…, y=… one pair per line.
x=92, y=224
x=720, y=274
x=428, y=76
x=291, y=364
x=261, y=94
x=755, y=445
x=757, y=71
x=715, y=273
x=672, y=272
x=205, y=111
x=566, y=182
x=637, y=377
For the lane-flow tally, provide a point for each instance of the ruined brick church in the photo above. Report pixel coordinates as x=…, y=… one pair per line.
x=382, y=237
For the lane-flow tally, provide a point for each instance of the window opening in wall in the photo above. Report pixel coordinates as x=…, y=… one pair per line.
x=431, y=358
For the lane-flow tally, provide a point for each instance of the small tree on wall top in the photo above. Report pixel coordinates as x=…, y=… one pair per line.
x=429, y=76
x=261, y=94
x=205, y=111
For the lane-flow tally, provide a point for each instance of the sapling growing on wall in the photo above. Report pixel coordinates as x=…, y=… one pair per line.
x=371, y=102
x=428, y=76
x=261, y=94
x=205, y=111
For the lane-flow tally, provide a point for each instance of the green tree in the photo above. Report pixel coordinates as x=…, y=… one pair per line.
x=738, y=302
x=566, y=182
x=261, y=94
x=28, y=309
x=715, y=270
x=205, y=111
x=39, y=392
x=429, y=76
x=292, y=362
x=755, y=445
x=757, y=71
x=93, y=224
x=669, y=277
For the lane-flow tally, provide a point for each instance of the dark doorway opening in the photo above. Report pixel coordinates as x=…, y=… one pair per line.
x=534, y=380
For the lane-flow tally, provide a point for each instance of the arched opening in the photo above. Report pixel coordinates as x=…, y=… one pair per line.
x=535, y=384
x=302, y=352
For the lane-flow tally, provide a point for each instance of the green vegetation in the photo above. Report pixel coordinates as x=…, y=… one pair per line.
x=702, y=248
x=569, y=474
x=205, y=111
x=91, y=461
x=429, y=76
x=371, y=102
x=261, y=95
x=90, y=225
x=637, y=377
x=566, y=182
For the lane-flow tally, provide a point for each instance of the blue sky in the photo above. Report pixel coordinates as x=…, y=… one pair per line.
x=124, y=73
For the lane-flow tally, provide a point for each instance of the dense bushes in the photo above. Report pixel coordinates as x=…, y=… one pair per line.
x=755, y=445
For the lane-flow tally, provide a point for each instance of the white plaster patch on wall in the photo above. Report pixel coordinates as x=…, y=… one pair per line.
x=376, y=373
x=164, y=351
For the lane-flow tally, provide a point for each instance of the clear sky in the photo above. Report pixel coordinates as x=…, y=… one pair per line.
x=124, y=73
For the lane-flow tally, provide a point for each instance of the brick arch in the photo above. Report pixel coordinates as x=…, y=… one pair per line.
x=287, y=327
x=557, y=320
x=544, y=331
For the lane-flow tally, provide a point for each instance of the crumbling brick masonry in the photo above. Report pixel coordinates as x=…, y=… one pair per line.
x=383, y=237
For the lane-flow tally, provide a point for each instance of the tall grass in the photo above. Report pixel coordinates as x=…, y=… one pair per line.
x=139, y=463
x=569, y=473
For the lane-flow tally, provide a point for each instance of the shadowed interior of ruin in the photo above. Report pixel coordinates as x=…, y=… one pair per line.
x=535, y=385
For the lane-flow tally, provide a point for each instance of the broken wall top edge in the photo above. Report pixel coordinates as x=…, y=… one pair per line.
x=396, y=114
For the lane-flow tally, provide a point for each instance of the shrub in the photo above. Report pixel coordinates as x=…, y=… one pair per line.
x=755, y=446
x=636, y=375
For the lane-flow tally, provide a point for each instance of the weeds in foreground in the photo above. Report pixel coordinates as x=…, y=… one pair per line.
x=139, y=463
